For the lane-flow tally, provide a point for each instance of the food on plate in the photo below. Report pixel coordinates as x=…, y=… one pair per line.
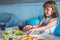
x=35, y=38
x=30, y=38
x=7, y=35
x=19, y=33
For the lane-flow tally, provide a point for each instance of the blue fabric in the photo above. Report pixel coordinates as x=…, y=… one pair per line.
x=9, y=23
x=32, y=22
x=57, y=29
x=40, y=17
x=6, y=18
x=43, y=24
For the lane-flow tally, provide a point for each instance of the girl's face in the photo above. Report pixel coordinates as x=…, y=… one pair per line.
x=48, y=11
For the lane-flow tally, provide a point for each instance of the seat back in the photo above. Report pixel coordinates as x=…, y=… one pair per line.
x=6, y=18
x=57, y=29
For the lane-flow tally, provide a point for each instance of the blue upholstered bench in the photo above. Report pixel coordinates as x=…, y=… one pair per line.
x=57, y=29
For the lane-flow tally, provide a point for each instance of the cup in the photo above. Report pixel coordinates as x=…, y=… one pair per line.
x=2, y=26
x=20, y=26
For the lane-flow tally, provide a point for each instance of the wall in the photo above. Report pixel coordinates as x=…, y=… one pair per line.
x=24, y=12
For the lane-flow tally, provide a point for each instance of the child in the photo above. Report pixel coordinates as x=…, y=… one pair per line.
x=49, y=20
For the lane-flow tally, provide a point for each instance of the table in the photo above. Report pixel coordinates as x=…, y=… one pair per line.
x=10, y=28
x=50, y=37
x=44, y=36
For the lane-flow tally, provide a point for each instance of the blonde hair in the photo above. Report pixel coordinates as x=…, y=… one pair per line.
x=51, y=4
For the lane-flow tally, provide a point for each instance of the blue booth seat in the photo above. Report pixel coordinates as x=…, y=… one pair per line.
x=6, y=18
x=57, y=29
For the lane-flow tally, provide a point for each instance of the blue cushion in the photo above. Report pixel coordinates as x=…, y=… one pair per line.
x=32, y=22
x=9, y=23
x=40, y=17
x=57, y=29
x=6, y=18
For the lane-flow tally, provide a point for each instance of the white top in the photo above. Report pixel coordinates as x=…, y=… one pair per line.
x=50, y=30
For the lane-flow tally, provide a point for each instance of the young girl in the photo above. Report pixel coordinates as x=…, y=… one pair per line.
x=49, y=21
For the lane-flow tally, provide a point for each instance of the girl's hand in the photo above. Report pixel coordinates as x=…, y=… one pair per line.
x=31, y=31
x=28, y=27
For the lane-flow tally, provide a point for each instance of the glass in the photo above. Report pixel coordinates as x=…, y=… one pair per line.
x=20, y=26
x=2, y=26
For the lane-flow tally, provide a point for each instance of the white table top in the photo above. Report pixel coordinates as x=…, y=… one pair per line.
x=51, y=37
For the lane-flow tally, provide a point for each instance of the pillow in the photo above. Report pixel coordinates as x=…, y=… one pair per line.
x=6, y=18
x=32, y=22
x=57, y=29
x=9, y=24
x=40, y=17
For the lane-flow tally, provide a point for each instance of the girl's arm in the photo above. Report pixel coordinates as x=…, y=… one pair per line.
x=42, y=28
x=40, y=24
x=49, y=25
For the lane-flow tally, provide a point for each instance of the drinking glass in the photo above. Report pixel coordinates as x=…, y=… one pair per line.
x=20, y=26
x=2, y=26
